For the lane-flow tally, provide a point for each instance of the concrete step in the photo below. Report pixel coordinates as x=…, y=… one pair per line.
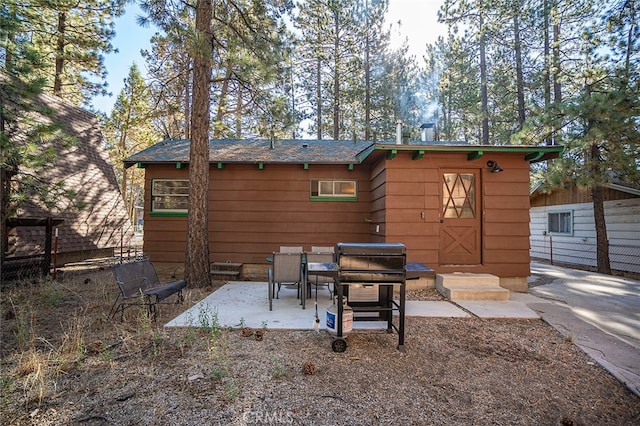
x=226, y=266
x=225, y=273
x=466, y=286
x=463, y=279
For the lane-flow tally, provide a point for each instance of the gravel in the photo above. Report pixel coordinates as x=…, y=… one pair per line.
x=454, y=371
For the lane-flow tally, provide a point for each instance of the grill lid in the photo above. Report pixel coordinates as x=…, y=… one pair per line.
x=359, y=249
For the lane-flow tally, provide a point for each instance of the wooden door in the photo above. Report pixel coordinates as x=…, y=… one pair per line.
x=460, y=217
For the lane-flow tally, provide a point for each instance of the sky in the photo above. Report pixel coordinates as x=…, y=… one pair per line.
x=419, y=24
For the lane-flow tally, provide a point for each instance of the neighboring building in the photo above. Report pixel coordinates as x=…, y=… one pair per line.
x=102, y=222
x=563, y=227
x=443, y=201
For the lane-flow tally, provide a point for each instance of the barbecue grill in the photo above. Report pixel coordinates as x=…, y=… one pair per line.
x=367, y=274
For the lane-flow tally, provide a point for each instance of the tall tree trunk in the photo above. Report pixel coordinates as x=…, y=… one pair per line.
x=602, y=241
x=557, y=86
x=4, y=192
x=196, y=266
x=57, y=81
x=5, y=181
x=319, y=97
x=122, y=143
x=367, y=79
x=336, y=79
x=631, y=35
x=123, y=149
x=519, y=72
x=8, y=53
x=483, y=84
x=293, y=101
x=222, y=103
x=597, y=195
x=187, y=100
x=131, y=202
x=239, y=113
x=546, y=74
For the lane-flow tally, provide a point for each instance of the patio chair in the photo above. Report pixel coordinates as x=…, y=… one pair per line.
x=139, y=285
x=286, y=268
x=320, y=280
x=290, y=249
x=322, y=249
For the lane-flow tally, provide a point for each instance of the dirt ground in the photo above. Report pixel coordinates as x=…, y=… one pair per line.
x=64, y=362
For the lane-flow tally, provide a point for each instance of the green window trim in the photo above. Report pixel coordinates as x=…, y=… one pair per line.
x=168, y=214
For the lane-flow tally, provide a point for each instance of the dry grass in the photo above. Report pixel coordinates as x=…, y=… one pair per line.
x=64, y=362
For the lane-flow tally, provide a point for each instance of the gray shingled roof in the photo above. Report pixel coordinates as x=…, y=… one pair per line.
x=292, y=151
x=255, y=151
x=86, y=169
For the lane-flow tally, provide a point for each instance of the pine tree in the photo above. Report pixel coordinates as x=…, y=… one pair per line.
x=250, y=68
x=196, y=266
x=473, y=16
x=344, y=61
x=130, y=128
x=71, y=37
x=599, y=115
x=30, y=138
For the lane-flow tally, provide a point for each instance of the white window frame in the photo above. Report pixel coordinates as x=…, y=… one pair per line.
x=558, y=214
x=155, y=193
x=333, y=194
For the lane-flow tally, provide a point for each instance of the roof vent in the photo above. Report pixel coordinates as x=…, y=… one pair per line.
x=428, y=132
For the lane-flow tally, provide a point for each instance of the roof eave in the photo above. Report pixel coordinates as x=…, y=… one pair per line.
x=142, y=164
x=533, y=154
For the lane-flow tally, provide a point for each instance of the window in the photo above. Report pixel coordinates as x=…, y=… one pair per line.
x=327, y=189
x=169, y=195
x=459, y=195
x=560, y=223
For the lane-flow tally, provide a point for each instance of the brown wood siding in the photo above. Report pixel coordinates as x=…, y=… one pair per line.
x=413, y=192
x=377, y=218
x=253, y=212
x=506, y=217
x=575, y=195
x=411, y=195
x=164, y=237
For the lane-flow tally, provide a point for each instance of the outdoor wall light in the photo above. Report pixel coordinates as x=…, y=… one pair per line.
x=493, y=165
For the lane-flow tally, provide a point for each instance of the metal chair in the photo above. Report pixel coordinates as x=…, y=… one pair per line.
x=290, y=249
x=320, y=280
x=322, y=249
x=286, y=268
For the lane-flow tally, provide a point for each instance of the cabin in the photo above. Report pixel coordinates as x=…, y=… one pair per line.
x=456, y=207
x=563, y=227
x=101, y=224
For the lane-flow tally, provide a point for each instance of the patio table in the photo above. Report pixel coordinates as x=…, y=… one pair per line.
x=414, y=271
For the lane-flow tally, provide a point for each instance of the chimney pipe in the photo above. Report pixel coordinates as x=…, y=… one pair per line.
x=399, y=132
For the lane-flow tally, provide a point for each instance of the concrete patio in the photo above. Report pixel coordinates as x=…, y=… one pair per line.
x=242, y=302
